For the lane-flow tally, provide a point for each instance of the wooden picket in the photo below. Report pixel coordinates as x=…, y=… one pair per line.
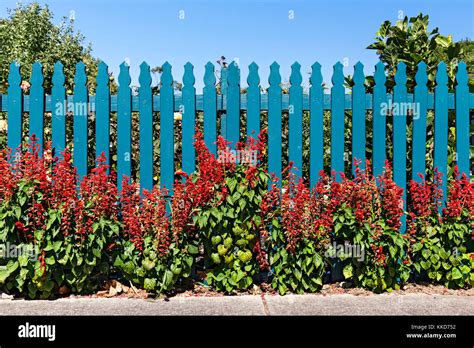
x=58, y=113
x=15, y=108
x=316, y=96
x=166, y=129
x=440, y=157
x=379, y=152
x=146, y=128
x=102, y=113
x=399, y=133
x=295, y=124
x=337, y=120
x=80, y=124
x=358, y=117
x=419, y=123
x=124, y=126
x=462, y=119
x=210, y=108
x=253, y=101
x=233, y=104
x=274, y=121
x=37, y=104
x=188, y=119
x=231, y=101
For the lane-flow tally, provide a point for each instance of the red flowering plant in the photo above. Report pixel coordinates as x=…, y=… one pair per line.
x=300, y=229
x=440, y=242
x=152, y=251
x=60, y=232
x=366, y=239
x=224, y=198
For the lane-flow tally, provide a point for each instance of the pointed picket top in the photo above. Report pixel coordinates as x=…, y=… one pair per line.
x=145, y=78
x=380, y=76
x=338, y=74
x=166, y=76
x=461, y=74
x=359, y=77
x=37, y=78
x=80, y=78
x=188, y=77
x=316, y=78
x=124, y=75
x=441, y=75
x=295, y=78
x=102, y=75
x=209, y=76
x=421, y=78
x=253, y=79
x=233, y=77
x=275, y=78
x=14, y=78
x=401, y=74
x=58, y=75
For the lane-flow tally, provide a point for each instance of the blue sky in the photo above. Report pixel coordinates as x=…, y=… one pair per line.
x=249, y=30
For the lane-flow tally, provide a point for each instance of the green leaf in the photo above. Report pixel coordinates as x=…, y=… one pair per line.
x=297, y=273
x=347, y=271
x=50, y=260
x=425, y=264
x=192, y=249
x=426, y=253
x=456, y=273
x=17, y=211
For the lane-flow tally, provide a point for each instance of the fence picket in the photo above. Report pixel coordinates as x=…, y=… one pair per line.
x=440, y=160
x=316, y=129
x=337, y=120
x=37, y=105
x=419, y=123
x=167, y=129
x=462, y=119
x=223, y=106
x=295, y=123
x=274, y=121
x=399, y=134
x=210, y=108
x=80, y=123
x=15, y=108
x=59, y=108
x=233, y=104
x=124, y=125
x=379, y=120
x=253, y=101
x=188, y=119
x=358, y=117
x=146, y=128
x=102, y=113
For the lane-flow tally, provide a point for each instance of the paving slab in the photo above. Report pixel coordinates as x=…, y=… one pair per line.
x=344, y=304
x=245, y=305
x=383, y=304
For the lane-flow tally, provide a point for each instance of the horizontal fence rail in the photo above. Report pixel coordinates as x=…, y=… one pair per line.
x=221, y=104
x=230, y=99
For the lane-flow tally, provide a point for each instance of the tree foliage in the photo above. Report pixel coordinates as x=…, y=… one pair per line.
x=28, y=34
x=410, y=41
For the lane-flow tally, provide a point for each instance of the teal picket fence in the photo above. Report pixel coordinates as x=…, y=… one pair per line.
x=230, y=99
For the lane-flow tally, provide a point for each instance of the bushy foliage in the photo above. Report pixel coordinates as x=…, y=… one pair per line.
x=59, y=229
x=440, y=243
x=300, y=228
x=152, y=251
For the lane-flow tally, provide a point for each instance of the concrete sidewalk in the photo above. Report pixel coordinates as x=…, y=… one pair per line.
x=384, y=304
